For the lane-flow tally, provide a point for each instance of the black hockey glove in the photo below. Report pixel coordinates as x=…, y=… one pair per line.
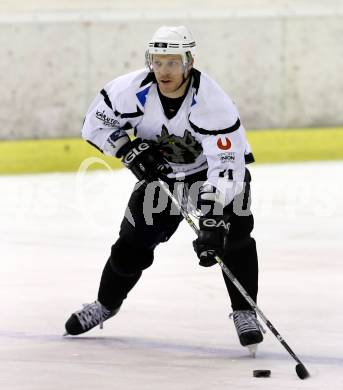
x=144, y=160
x=213, y=229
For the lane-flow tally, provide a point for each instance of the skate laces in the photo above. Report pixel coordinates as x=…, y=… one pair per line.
x=92, y=314
x=246, y=321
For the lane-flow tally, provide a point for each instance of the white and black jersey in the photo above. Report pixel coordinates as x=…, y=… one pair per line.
x=205, y=133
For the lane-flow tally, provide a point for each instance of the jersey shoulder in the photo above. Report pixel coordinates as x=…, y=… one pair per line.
x=124, y=92
x=212, y=108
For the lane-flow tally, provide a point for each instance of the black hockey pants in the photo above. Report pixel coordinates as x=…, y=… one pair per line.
x=141, y=233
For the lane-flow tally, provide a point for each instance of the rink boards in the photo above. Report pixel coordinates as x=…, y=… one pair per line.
x=66, y=155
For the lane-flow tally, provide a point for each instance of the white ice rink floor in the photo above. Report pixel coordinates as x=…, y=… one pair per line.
x=173, y=331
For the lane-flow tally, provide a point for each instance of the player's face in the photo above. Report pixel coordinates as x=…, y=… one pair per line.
x=169, y=73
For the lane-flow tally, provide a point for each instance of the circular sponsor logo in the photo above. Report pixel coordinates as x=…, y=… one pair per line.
x=224, y=145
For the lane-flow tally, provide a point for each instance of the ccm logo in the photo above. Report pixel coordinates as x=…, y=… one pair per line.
x=224, y=146
x=135, y=152
x=214, y=223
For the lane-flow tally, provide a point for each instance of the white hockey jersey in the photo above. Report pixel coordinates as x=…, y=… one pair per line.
x=205, y=133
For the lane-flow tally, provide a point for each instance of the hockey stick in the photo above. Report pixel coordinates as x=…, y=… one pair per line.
x=299, y=368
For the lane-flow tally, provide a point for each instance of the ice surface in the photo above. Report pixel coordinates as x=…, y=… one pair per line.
x=173, y=331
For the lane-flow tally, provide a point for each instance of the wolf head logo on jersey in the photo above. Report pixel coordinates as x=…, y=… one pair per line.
x=179, y=150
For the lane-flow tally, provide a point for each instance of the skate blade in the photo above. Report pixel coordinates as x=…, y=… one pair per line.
x=65, y=334
x=252, y=349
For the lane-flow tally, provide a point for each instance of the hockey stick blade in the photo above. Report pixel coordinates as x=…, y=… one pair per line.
x=301, y=371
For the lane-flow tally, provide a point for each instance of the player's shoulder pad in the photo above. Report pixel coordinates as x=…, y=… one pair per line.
x=123, y=93
x=212, y=111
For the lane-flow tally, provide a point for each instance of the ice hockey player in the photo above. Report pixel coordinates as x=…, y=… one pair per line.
x=187, y=130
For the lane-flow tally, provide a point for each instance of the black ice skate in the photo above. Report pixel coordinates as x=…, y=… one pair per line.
x=248, y=328
x=88, y=317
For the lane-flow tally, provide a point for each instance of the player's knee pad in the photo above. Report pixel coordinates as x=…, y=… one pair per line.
x=241, y=250
x=244, y=243
x=241, y=253
x=242, y=260
x=127, y=260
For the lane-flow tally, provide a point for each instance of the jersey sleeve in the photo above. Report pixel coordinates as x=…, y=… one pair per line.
x=215, y=120
x=114, y=110
x=102, y=127
x=226, y=162
x=225, y=147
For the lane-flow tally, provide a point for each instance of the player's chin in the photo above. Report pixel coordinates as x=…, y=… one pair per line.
x=167, y=86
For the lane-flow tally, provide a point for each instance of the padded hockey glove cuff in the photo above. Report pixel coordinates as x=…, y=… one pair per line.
x=213, y=230
x=212, y=240
x=144, y=160
x=114, y=143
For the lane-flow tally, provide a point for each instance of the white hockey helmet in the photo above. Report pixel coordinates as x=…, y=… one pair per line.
x=172, y=40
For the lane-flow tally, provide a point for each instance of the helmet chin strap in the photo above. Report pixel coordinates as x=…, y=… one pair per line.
x=184, y=79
